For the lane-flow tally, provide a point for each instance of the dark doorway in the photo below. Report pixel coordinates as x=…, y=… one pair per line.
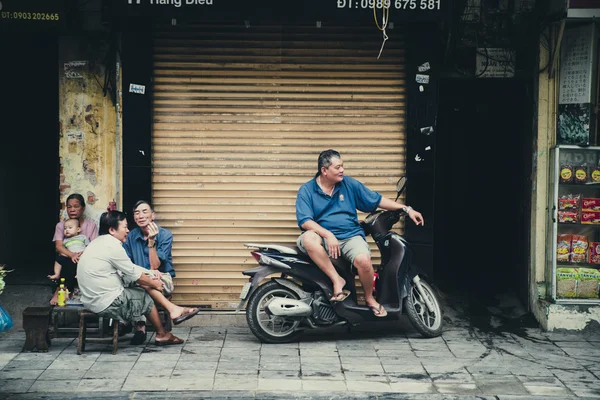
x=28, y=154
x=483, y=187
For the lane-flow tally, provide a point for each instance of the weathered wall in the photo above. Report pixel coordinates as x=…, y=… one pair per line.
x=571, y=317
x=88, y=138
x=539, y=284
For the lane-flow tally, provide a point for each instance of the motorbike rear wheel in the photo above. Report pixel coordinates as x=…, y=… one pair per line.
x=427, y=322
x=270, y=328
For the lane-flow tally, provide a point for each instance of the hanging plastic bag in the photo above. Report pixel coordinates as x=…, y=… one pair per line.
x=6, y=322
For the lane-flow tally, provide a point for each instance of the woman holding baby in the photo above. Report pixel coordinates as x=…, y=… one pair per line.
x=70, y=238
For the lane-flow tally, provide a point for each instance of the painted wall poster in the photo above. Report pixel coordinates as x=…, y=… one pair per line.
x=574, y=124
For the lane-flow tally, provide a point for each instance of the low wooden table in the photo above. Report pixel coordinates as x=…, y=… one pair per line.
x=65, y=321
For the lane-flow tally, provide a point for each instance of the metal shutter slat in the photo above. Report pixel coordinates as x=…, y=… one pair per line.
x=239, y=117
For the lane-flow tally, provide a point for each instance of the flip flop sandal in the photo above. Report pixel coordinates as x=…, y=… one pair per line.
x=185, y=316
x=379, y=312
x=343, y=293
x=172, y=340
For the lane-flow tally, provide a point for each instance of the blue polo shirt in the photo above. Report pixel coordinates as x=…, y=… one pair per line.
x=137, y=249
x=336, y=213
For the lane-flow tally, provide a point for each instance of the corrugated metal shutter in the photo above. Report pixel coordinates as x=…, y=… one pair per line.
x=240, y=116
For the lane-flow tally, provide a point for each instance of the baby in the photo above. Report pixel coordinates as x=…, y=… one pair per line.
x=75, y=242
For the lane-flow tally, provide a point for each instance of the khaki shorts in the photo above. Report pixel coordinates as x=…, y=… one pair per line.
x=131, y=305
x=350, y=248
x=167, y=280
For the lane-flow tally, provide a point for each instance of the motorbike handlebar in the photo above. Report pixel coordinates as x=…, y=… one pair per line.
x=380, y=221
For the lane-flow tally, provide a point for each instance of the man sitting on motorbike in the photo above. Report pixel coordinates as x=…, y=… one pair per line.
x=326, y=212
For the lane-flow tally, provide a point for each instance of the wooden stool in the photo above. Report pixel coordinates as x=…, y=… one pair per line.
x=86, y=316
x=36, y=321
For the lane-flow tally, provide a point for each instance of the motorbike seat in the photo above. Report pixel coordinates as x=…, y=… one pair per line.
x=282, y=248
x=341, y=264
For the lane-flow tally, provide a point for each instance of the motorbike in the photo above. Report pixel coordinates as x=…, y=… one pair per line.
x=297, y=298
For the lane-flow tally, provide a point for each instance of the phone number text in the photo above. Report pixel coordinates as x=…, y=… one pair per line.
x=397, y=4
x=29, y=15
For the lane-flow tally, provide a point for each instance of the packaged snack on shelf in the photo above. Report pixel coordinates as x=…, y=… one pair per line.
x=563, y=248
x=587, y=284
x=581, y=174
x=568, y=217
x=579, y=247
x=590, y=217
x=595, y=174
x=594, y=253
x=566, y=282
x=590, y=204
x=566, y=173
x=569, y=202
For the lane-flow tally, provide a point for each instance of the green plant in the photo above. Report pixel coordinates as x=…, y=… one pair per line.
x=3, y=273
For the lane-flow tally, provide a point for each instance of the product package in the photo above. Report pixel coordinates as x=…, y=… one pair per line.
x=569, y=202
x=579, y=247
x=568, y=217
x=566, y=282
x=587, y=283
x=595, y=174
x=594, y=253
x=590, y=217
x=590, y=204
x=566, y=173
x=581, y=174
x=563, y=248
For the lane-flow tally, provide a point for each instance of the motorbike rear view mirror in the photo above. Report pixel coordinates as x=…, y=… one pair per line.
x=400, y=186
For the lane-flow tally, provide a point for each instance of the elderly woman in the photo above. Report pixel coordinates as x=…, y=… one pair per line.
x=67, y=259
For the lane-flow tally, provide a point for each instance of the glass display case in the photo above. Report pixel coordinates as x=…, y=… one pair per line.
x=575, y=217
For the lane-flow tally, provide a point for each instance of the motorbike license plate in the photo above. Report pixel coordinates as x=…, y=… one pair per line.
x=245, y=290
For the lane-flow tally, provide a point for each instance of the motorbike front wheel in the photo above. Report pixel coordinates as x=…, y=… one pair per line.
x=427, y=322
x=270, y=328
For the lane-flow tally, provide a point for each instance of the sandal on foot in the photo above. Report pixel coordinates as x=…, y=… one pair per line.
x=336, y=297
x=186, y=316
x=171, y=340
x=378, y=311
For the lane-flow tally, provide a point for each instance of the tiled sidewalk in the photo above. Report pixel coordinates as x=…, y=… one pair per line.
x=383, y=362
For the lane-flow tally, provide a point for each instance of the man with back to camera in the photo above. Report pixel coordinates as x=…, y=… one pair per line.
x=326, y=212
x=102, y=290
x=149, y=246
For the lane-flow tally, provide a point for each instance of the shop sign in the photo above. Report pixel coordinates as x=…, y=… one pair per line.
x=31, y=15
x=576, y=65
x=578, y=157
x=495, y=63
x=317, y=10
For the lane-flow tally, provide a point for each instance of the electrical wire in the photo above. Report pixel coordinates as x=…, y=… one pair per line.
x=385, y=14
x=385, y=38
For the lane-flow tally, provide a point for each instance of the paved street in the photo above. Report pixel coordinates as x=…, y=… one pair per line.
x=387, y=361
